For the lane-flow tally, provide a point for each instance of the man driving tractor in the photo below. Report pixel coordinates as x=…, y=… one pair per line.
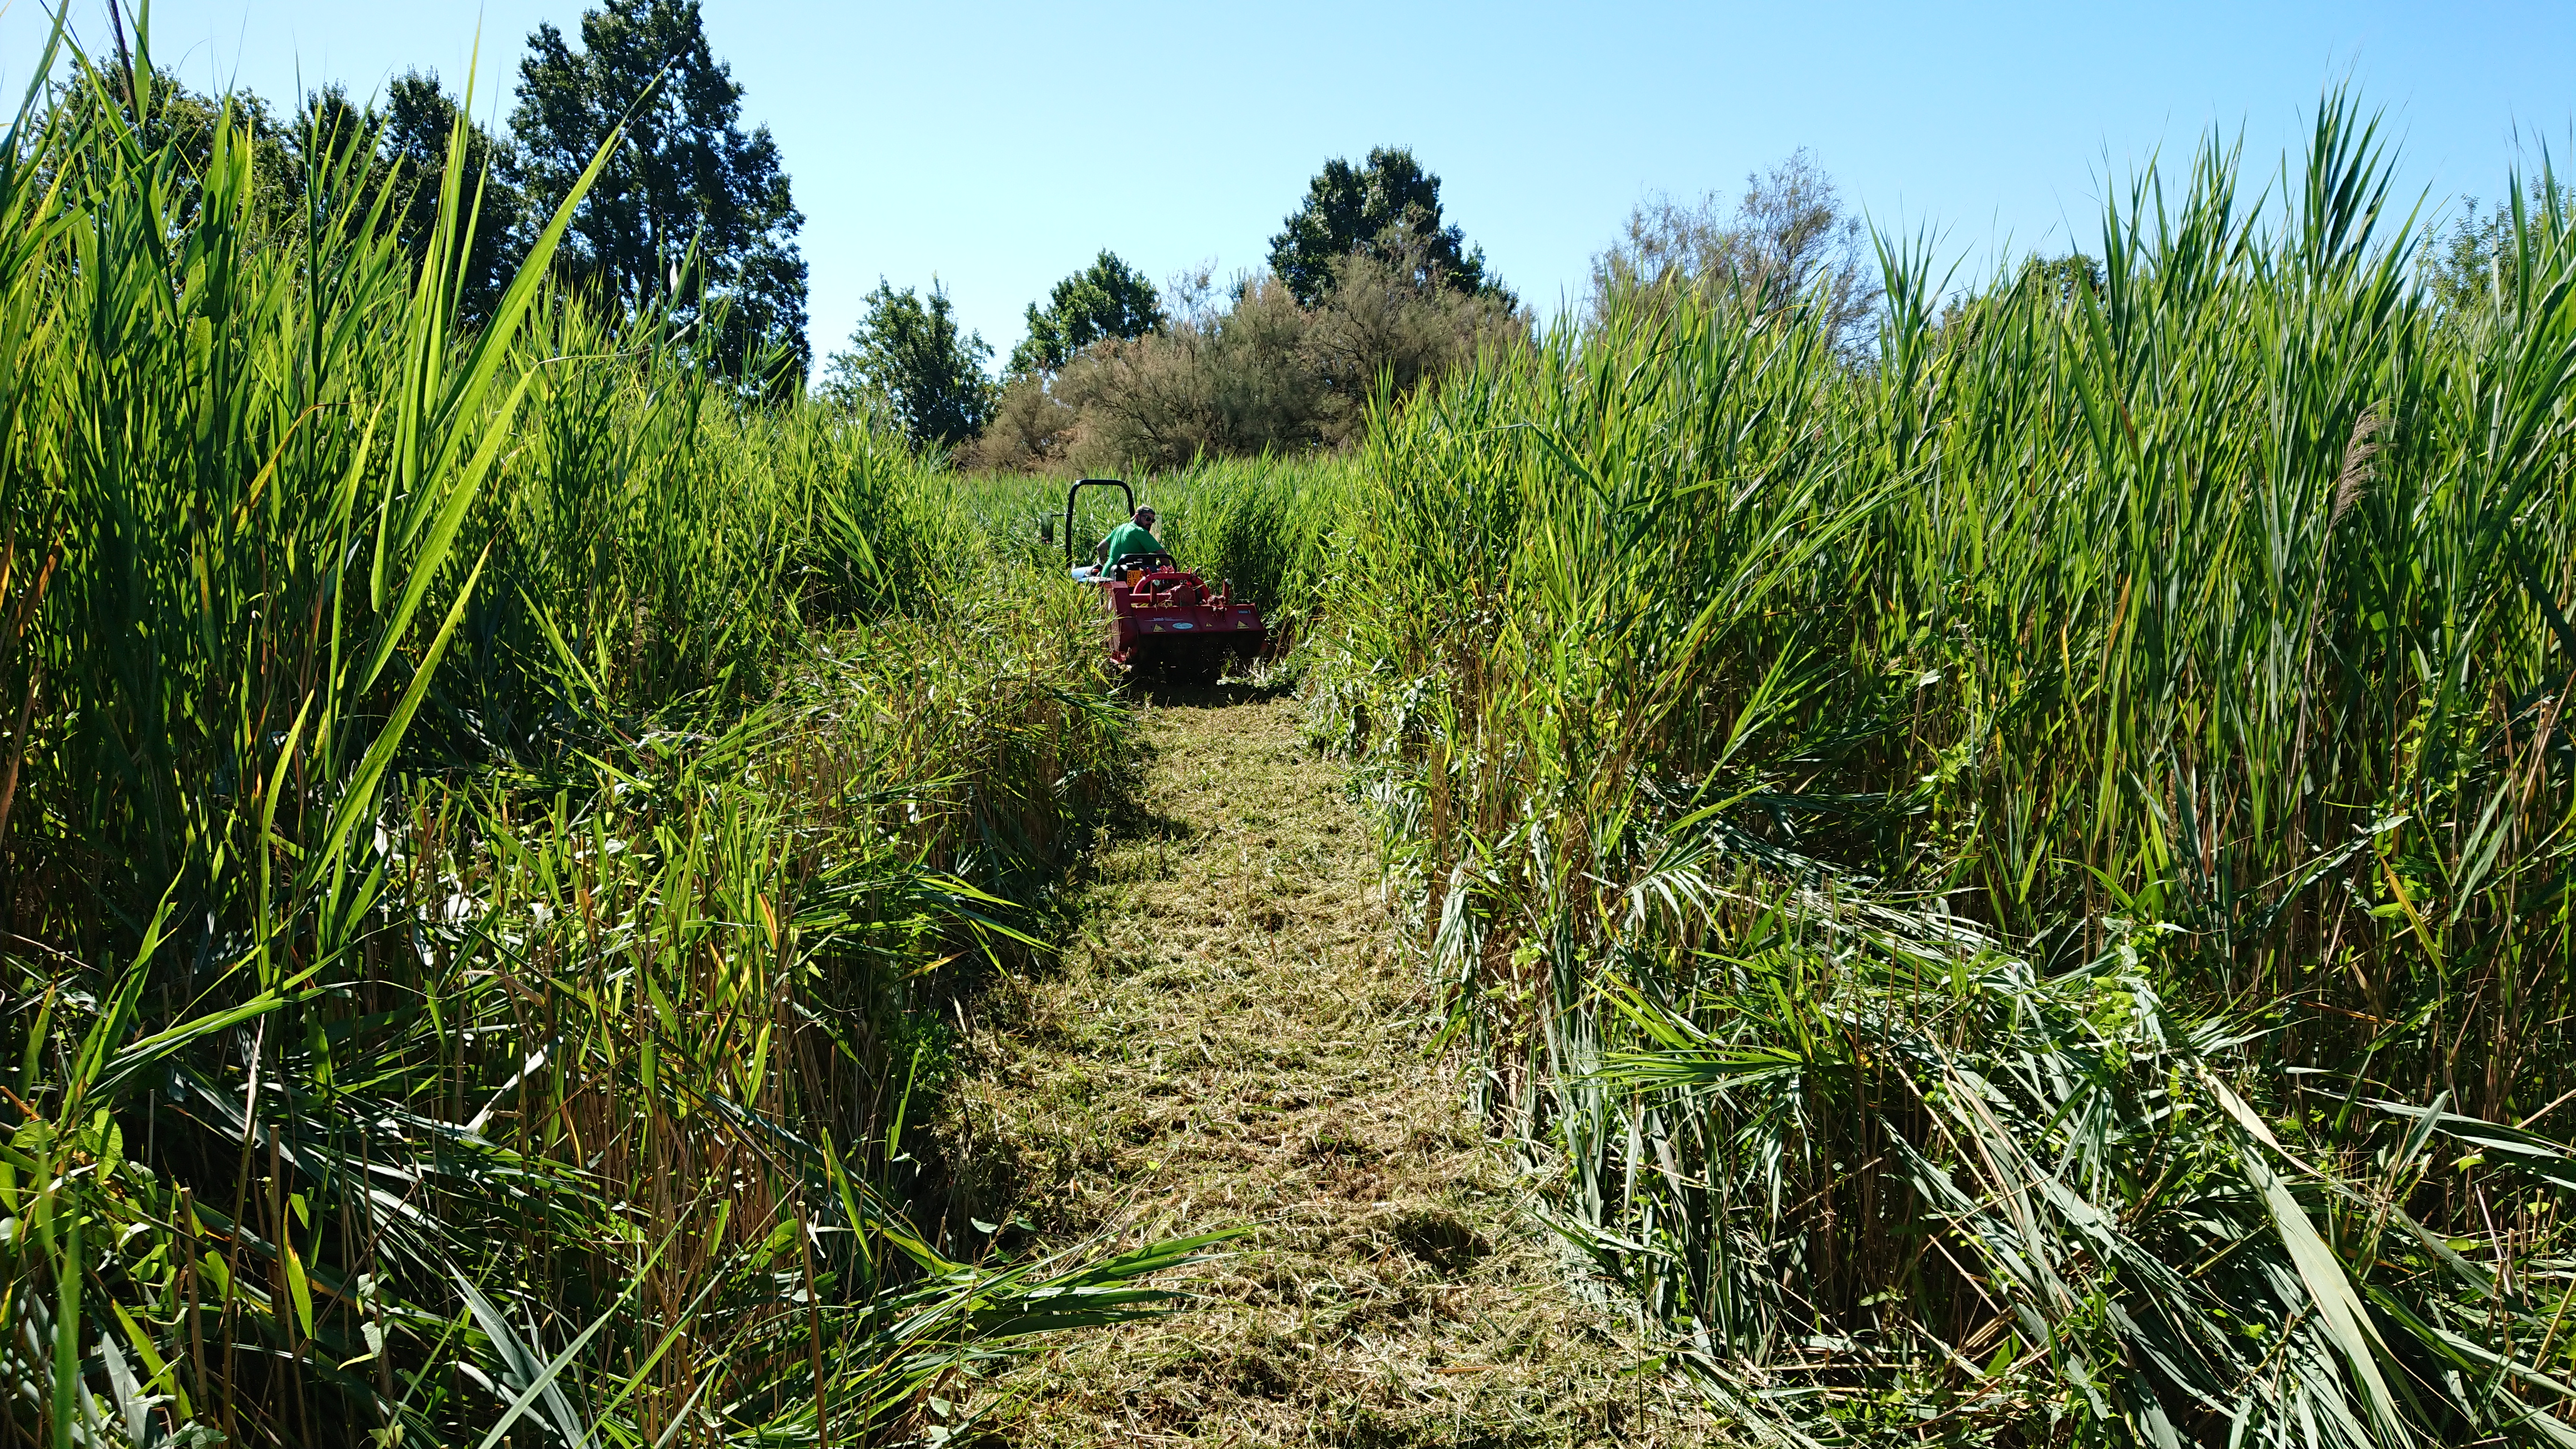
x=1164, y=621
x=1131, y=539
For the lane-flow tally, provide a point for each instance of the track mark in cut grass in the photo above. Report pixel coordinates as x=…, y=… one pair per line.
x=1231, y=1038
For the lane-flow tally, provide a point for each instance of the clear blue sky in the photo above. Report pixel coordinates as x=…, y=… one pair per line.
x=1000, y=145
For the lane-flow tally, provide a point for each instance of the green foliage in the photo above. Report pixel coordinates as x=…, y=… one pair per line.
x=1106, y=299
x=2067, y=282
x=1261, y=376
x=2064, y=280
x=160, y=111
x=1263, y=527
x=419, y=118
x=2458, y=270
x=2026, y=886
x=1369, y=296
x=693, y=222
x=1788, y=242
x=2476, y=262
x=1387, y=210
x=906, y=355
x=480, y=810
x=692, y=215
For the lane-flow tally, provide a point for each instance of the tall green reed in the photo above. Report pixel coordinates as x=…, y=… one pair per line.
x=485, y=821
x=1951, y=853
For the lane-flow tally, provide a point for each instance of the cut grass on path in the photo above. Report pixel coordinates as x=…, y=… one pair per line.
x=1230, y=1039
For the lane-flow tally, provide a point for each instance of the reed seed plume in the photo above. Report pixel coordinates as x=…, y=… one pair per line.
x=2359, y=451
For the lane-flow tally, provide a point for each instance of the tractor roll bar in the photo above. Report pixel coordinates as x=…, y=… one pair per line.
x=1079, y=484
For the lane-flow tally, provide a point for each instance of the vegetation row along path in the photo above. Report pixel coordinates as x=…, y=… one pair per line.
x=1230, y=1039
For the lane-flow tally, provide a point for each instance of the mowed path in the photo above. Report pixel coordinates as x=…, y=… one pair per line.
x=1232, y=1039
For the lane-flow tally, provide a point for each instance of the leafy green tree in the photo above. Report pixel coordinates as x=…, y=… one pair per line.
x=2063, y=279
x=2458, y=268
x=1387, y=210
x=2480, y=256
x=907, y=356
x=419, y=117
x=327, y=136
x=163, y=111
x=692, y=213
x=1106, y=299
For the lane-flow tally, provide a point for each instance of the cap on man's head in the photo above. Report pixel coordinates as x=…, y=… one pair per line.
x=1145, y=513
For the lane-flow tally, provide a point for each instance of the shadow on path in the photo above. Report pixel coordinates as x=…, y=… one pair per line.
x=1231, y=1038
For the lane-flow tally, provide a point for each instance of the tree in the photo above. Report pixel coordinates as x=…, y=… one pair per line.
x=691, y=213
x=1387, y=210
x=2061, y=282
x=1260, y=373
x=324, y=144
x=2480, y=257
x=906, y=354
x=162, y=110
x=2063, y=279
x=1788, y=239
x=1106, y=299
x=419, y=118
x=1379, y=329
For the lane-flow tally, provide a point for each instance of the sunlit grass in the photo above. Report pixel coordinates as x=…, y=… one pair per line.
x=491, y=829
x=1982, y=864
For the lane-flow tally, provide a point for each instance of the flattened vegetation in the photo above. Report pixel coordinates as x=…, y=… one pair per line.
x=1231, y=1039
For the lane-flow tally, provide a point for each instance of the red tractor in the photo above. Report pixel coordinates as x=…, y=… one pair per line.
x=1164, y=620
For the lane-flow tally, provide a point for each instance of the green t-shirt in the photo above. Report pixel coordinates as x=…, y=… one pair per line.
x=1127, y=540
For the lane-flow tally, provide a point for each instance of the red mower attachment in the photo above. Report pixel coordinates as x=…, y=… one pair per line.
x=1164, y=621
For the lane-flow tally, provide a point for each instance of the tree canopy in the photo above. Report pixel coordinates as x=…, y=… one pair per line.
x=907, y=355
x=1387, y=210
x=688, y=182
x=1106, y=299
x=2480, y=257
x=162, y=110
x=1788, y=238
